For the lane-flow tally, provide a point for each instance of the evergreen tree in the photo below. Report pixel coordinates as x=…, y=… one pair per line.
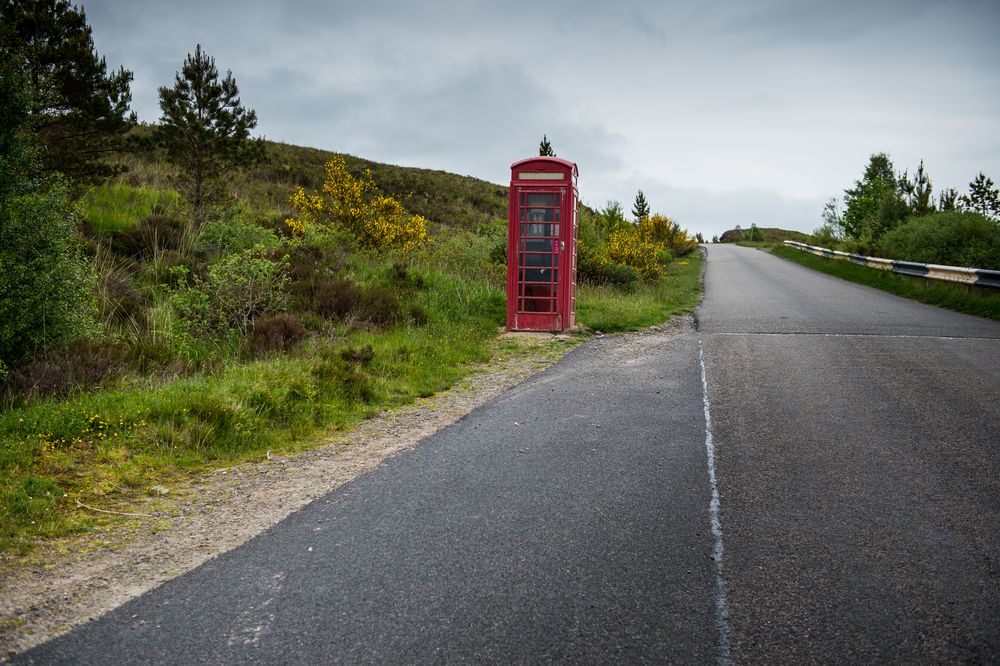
x=43, y=291
x=875, y=203
x=948, y=199
x=545, y=148
x=205, y=130
x=79, y=112
x=613, y=216
x=640, y=208
x=917, y=191
x=983, y=197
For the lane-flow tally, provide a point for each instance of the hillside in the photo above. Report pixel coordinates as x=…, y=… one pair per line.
x=207, y=345
x=445, y=199
x=763, y=234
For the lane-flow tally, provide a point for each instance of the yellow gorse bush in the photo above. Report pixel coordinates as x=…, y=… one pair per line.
x=378, y=222
x=626, y=246
x=661, y=229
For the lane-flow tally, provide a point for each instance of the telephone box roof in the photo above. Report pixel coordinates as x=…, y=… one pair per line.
x=550, y=161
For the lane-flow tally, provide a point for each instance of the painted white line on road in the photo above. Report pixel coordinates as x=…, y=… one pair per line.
x=721, y=607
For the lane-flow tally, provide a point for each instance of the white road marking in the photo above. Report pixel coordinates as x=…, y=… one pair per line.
x=721, y=607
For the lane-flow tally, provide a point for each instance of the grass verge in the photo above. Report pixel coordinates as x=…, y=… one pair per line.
x=609, y=310
x=971, y=300
x=107, y=448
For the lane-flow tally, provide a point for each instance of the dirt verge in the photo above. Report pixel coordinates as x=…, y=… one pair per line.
x=70, y=581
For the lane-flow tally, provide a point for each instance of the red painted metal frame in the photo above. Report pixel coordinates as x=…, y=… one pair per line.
x=528, y=293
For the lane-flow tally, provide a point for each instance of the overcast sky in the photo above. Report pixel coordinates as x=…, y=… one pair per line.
x=723, y=113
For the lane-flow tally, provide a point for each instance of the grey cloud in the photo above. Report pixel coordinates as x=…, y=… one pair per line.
x=717, y=96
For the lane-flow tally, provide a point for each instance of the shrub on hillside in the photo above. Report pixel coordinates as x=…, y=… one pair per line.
x=42, y=279
x=661, y=230
x=153, y=236
x=276, y=333
x=594, y=267
x=377, y=221
x=234, y=233
x=952, y=238
x=628, y=248
x=62, y=369
x=120, y=303
x=235, y=291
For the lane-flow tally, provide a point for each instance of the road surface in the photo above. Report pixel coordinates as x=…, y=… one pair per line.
x=813, y=475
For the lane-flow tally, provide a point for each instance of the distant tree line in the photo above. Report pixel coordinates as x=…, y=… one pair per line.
x=897, y=215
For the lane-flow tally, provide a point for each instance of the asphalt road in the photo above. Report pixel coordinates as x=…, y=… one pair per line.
x=856, y=441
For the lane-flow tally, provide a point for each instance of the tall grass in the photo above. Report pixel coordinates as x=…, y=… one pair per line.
x=120, y=207
x=608, y=309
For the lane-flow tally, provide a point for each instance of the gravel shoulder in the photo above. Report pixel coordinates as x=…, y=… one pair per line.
x=70, y=581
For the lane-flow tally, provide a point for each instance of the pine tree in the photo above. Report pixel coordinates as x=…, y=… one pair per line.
x=948, y=199
x=545, y=148
x=917, y=191
x=205, y=130
x=79, y=112
x=983, y=197
x=640, y=209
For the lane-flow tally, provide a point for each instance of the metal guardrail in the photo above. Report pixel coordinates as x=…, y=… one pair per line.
x=977, y=277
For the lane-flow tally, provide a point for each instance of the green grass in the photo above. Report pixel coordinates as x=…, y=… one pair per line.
x=609, y=310
x=119, y=207
x=107, y=447
x=971, y=300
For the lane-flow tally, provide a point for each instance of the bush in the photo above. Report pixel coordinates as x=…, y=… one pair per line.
x=45, y=291
x=59, y=370
x=276, y=333
x=152, y=236
x=234, y=233
x=234, y=292
x=618, y=275
x=119, y=302
x=589, y=262
x=377, y=305
x=378, y=222
x=333, y=298
x=628, y=248
x=661, y=230
x=952, y=238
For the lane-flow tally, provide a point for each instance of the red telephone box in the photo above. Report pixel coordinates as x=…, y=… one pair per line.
x=541, y=245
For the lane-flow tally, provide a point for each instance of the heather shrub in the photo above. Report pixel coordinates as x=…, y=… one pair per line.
x=119, y=302
x=152, y=236
x=618, y=275
x=234, y=233
x=333, y=298
x=61, y=369
x=276, y=333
